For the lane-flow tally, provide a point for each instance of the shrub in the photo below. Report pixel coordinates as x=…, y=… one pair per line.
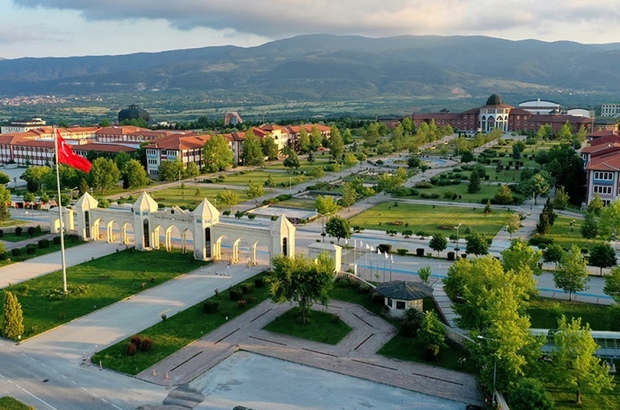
x=226, y=213
x=364, y=288
x=419, y=252
x=540, y=241
x=31, y=231
x=44, y=243
x=451, y=255
x=246, y=287
x=423, y=185
x=384, y=247
x=284, y=197
x=401, y=252
x=413, y=321
x=259, y=283
x=56, y=240
x=3, y=256
x=377, y=298
x=18, y=231
x=251, y=217
x=131, y=349
x=210, y=307
x=1, y=233
x=236, y=295
x=31, y=249
x=241, y=303
x=136, y=340
x=16, y=251
x=38, y=229
x=530, y=393
x=146, y=344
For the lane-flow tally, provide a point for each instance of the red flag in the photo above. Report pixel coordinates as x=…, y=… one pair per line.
x=68, y=157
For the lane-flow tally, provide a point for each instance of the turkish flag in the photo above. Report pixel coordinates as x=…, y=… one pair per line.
x=68, y=157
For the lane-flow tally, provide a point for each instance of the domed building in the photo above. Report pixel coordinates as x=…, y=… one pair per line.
x=495, y=114
x=133, y=112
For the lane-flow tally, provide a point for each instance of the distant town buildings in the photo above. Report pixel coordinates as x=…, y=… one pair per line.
x=22, y=125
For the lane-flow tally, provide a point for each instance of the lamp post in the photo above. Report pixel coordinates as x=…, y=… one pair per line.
x=457, y=237
x=494, y=368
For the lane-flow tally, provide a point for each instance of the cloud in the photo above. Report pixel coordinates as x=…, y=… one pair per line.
x=13, y=35
x=280, y=18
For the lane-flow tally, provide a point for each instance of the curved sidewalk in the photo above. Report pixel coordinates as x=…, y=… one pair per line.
x=355, y=355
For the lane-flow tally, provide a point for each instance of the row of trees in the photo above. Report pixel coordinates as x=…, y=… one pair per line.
x=495, y=297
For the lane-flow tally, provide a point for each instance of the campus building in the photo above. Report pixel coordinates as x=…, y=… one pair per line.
x=496, y=114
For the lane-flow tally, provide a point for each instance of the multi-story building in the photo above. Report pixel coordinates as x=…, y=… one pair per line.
x=22, y=125
x=495, y=114
x=602, y=164
x=610, y=110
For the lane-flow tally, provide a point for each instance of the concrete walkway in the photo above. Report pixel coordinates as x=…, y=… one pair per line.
x=355, y=355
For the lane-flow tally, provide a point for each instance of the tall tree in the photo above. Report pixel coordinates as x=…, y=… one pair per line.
x=316, y=138
x=513, y=224
x=520, y=256
x=432, y=334
x=566, y=168
x=573, y=361
x=474, y=184
x=571, y=274
x=612, y=284
x=227, y=198
x=560, y=200
x=270, y=148
x=254, y=190
x=477, y=244
x=34, y=176
x=217, y=154
x=596, y=205
x=338, y=227
x=104, y=174
x=589, y=227
x=325, y=205
x=609, y=223
x=503, y=195
x=336, y=145
x=603, y=256
x=170, y=170
x=349, y=195
x=191, y=170
x=13, y=323
x=553, y=253
x=292, y=160
x=303, y=140
x=438, y=243
x=302, y=280
x=251, y=151
x=135, y=174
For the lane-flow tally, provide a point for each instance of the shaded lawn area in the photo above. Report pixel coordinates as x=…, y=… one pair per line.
x=12, y=237
x=70, y=241
x=9, y=403
x=96, y=284
x=432, y=219
x=321, y=160
x=545, y=312
x=280, y=178
x=190, y=196
x=487, y=191
x=322, y=327
x=178, y=331
x=298, y=203
x=565, y=399
x=563, y=235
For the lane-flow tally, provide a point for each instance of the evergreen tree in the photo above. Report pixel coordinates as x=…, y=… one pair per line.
x=474, y=182
x=589, y=227
x=13, y=324
x=543, y=227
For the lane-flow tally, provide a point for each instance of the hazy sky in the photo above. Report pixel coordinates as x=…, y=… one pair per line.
x=41, y=28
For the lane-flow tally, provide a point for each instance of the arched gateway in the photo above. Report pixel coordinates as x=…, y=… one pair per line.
x=202, y=225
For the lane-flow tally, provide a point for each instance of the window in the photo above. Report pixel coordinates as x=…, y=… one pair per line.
x=602, y=189
x=604, y=176
x=400, y=305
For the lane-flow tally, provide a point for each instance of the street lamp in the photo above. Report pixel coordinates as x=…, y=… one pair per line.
x=457, y=237
x=494, y=368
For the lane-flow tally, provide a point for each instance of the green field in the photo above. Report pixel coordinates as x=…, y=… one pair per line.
x=280, y=178
x=544, y=313
x=190, y=196
x=322, y=327
x=565, y=235
x=431, y=219
x=96, y=284
x=487, y=192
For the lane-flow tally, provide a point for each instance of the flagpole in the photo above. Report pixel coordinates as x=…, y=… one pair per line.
x=62, y=226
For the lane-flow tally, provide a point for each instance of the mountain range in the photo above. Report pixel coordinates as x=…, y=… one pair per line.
x=334, y=68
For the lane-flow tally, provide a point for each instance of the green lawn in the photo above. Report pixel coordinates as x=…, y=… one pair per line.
x=96, y=284
x=544, y=313
x=9, y=403
x=431, y=219
x=190, y=196
x=487, y=191
x=565, y=399
x=178, y=331
x=12, y=237
x=70, y=241
x=280, y=178
x=299, y=203
x=322, y=327
x=565, y=235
